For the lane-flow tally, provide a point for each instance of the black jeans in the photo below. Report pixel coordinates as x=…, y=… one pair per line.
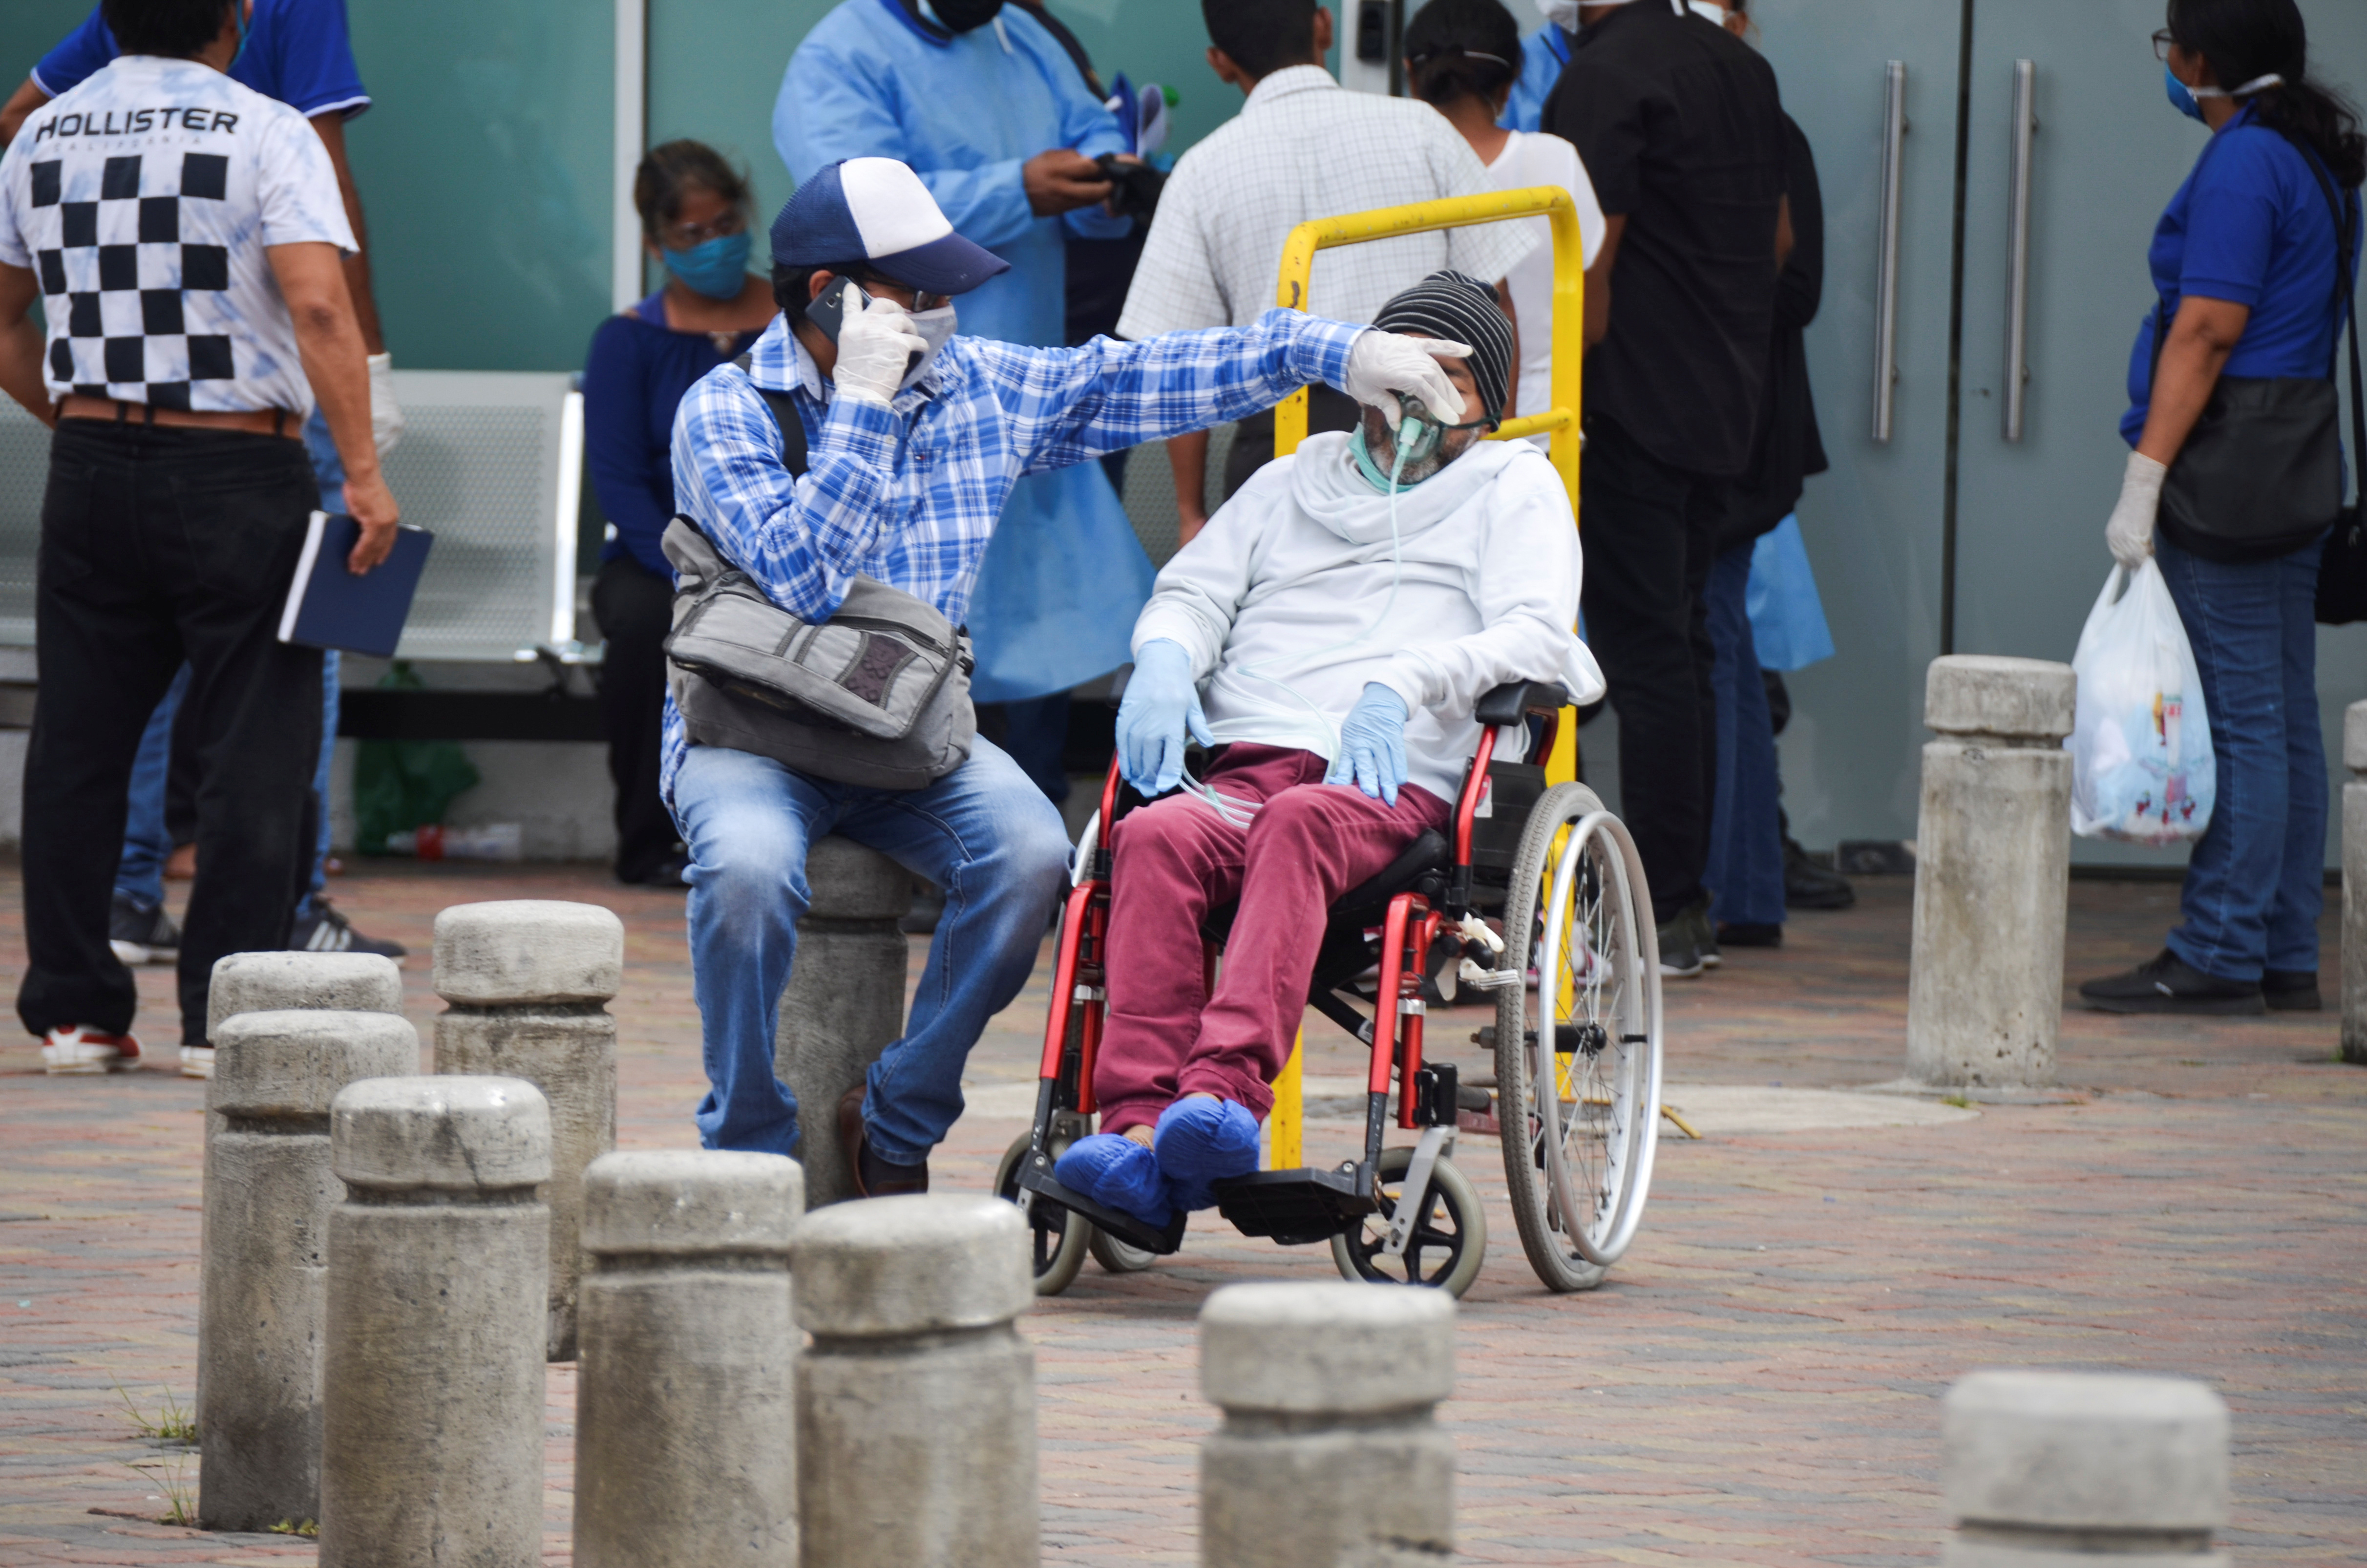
x=1649, y=533
x=160, y=545
x=635, y=609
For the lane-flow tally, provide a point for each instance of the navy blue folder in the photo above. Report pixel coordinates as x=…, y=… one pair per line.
x=328, y=607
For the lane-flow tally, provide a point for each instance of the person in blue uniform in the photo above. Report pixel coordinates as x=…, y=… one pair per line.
x=298, y=53
x=1542, y=54
x=985, y=107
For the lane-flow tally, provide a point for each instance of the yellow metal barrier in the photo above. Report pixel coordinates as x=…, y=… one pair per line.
x=1285, y=1143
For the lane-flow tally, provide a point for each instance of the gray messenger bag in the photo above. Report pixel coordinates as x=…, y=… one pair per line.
x=878, y=695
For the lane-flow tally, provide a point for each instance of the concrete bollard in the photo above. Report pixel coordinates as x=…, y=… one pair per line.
x=844, y=1001
x=1329, y=1452
x=1992, y=874
x=2048, y=1468
x=263, y=1274
x=268, y=982
x=685, y=1441
x=916, y=1401
x=2354, y=885
x=431, y=1440
x=528, y=981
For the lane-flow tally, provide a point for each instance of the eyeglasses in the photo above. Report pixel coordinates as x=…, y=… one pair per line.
x=683, y=236
x=2162, y=43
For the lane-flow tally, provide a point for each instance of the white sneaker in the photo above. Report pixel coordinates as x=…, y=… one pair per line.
x=197, y=1062
x=85, y=1052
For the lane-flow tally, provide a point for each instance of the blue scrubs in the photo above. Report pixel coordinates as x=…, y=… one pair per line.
x=1542, y=54
x=1064, y=576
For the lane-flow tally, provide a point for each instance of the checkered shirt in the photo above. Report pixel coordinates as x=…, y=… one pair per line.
x=908, y=495
x=1305, y=147
x=144, y=200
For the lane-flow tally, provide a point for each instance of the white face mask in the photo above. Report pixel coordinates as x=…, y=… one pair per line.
x=1562, y=13
x=935, y=328
x=1709, y=11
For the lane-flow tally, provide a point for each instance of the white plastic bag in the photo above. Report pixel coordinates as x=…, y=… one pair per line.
x=2141, y=765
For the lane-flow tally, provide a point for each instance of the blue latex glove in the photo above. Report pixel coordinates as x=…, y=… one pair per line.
x=1161, y=702
x=1371, y=744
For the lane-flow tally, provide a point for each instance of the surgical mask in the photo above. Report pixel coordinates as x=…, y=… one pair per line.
x=936, y=329
x=2186, y=100
x=1562, y=13
x=961, y=15
x=1708, y=11
x=716, y=267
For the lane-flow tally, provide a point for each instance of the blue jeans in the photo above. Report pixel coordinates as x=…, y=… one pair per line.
x=2255, y=885
x=984, y=832
x=1745, y=874
x=146, y=841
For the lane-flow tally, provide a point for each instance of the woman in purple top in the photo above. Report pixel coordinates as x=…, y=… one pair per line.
x=694, y=209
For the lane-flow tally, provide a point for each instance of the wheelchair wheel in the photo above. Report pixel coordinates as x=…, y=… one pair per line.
x=1116, y=1256
x=1577, y=1051
x=1448, y=1243
x=1056, y=1248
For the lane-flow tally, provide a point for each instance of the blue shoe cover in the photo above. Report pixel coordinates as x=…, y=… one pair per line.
x=1203, y=1142
x=1119, y=1173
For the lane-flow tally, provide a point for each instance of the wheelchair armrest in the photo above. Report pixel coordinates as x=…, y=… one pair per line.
x=1514, y=701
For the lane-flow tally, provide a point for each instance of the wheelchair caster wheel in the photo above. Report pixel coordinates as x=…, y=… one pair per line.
x=1056, y=1238
x=1116, y=1256
x=1449, y=1239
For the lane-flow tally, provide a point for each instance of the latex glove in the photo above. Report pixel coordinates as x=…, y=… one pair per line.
x=2129, y=536
x=386, y=415
x=874, y=344
x=1382, y=363
x=1161, y=702
x=1371, y=744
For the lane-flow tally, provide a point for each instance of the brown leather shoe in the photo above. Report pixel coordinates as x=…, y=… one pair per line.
x=873, y=1176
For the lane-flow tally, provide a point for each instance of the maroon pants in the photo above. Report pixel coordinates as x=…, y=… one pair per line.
x=1176, y=858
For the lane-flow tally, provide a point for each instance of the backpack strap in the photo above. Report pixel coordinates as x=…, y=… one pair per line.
x=785, y=416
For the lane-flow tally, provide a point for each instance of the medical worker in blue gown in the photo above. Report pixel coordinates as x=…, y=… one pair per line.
x=1542, y=54
x=985, y=107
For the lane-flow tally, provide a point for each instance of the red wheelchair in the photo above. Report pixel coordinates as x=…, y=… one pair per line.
x=1538, y=902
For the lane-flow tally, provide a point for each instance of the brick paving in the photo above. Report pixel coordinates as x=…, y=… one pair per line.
x=1757, y=1384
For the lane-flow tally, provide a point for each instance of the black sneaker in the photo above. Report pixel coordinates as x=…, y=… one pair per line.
x=2165, y=984
x=1807, y=885
x=1704, y=933
x=321, y=930
x=2291, y=991
x=142, y=936
x=1749, y=934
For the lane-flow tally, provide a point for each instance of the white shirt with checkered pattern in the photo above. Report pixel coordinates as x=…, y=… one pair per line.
x=1304, y=147
x=144, y=199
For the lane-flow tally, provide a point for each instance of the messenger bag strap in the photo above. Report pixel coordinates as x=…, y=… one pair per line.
x=785, y=416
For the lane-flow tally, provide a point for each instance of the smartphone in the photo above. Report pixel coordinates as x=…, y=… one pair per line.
x=829, y=309
x=844, y=297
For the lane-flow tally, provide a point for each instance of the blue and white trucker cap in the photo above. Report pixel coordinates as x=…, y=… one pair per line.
x=877, y=210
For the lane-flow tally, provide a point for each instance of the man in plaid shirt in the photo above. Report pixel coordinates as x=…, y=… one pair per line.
x=913, y=438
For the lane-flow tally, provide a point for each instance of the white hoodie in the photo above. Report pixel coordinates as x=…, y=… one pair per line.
x=1283, y=600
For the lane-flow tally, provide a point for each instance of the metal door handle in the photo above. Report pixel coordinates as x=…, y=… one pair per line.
x=1886, y=271
x=2025, y=127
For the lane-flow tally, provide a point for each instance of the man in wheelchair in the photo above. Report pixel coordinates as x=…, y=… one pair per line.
x=1329, y=632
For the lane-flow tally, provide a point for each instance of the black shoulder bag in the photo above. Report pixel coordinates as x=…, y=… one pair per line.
x=2342, y=569
x=2260, y=474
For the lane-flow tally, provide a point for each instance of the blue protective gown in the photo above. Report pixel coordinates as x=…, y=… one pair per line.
x=1064, y=575
x=1542, y=54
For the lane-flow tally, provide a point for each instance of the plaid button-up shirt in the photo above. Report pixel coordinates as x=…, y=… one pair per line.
x=908, y=495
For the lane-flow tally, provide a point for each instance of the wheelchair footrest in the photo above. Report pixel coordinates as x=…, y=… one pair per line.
x=1295, y=1207
x=1036, y=1175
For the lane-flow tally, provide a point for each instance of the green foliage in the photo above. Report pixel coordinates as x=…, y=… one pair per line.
x=401, y=785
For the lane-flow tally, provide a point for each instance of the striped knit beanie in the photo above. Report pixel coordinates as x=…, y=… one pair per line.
x=1463, y=310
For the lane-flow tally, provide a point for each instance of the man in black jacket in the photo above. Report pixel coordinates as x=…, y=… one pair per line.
x=1682, y=129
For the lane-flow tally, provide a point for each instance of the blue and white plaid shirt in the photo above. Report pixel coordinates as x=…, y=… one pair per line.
x=908, y=495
